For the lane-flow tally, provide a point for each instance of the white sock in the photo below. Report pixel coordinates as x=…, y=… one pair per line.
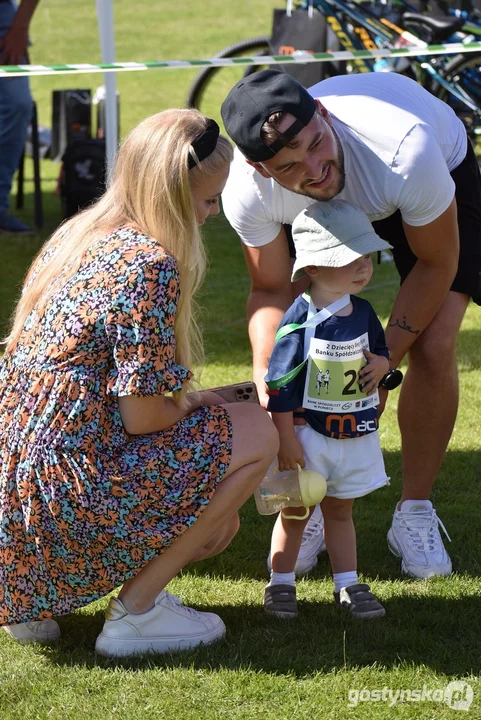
x=288, y=578
x=345, y=579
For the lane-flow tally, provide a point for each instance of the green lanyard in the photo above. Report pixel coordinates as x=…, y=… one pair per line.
x=313, y=319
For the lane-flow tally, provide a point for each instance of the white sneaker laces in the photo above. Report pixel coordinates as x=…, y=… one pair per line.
x=176, y=602
x=422, y=528
x=312, y=530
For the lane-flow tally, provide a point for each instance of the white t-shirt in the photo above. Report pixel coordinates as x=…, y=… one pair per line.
x=400, y=143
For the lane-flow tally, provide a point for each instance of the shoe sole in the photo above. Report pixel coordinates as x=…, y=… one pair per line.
x=281, y=615
x=397, y=553
x=43, y=640
x=368, y=615
x=127, y=647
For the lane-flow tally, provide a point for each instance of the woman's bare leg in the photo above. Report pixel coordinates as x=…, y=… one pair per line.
x=255, y=444
x=221, y=540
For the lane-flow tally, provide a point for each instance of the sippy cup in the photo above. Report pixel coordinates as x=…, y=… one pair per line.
x=281, y=489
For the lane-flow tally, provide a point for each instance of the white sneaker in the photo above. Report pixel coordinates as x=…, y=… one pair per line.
x=38, y=631
x=414, y=536
x=169, y=626
x=312, y=544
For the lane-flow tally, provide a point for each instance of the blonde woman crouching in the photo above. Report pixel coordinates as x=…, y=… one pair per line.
x=105, y=478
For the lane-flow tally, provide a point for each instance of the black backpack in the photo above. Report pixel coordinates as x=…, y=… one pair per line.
x=83, y=175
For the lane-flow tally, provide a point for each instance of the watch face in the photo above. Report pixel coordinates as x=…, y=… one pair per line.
x=392, y=379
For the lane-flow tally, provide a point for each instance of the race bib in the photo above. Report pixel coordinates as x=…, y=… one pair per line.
x=332, y=378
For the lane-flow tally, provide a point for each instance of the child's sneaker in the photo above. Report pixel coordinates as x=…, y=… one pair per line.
x=359, y=601
x=167, y=627
x=280, y=600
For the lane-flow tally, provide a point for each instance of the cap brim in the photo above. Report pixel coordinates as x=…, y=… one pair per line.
x=340, y=255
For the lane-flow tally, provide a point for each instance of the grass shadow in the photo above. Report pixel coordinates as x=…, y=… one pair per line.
x=455, y=498
x=434, y=623
x=438, y=632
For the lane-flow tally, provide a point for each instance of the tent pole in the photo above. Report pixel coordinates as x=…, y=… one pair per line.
x=105, y=17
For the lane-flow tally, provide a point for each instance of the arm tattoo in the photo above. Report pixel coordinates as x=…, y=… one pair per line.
x=402, y=325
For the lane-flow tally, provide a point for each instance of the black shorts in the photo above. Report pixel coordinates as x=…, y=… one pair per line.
x=467, y=179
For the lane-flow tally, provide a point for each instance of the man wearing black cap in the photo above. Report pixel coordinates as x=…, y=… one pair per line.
x=381, y=142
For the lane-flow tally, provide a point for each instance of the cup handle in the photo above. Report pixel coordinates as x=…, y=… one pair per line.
x=295, y=517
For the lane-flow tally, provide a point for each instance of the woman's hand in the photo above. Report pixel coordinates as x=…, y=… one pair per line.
x=372, y=373
x=144, y=415
x=203, y=397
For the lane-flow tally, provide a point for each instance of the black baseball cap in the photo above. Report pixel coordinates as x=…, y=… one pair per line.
x=250, y=103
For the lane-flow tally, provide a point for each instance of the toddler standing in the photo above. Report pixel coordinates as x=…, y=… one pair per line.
x=329, y=332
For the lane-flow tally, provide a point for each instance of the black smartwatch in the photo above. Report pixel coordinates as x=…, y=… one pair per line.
x=392, y=379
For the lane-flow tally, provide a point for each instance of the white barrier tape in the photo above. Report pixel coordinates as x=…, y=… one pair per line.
x=299, y=57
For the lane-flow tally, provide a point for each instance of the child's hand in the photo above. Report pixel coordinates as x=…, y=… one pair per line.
x=372, y=373
x=290, y=454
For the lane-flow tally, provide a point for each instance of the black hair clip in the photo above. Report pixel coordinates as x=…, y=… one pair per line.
x=204, y=144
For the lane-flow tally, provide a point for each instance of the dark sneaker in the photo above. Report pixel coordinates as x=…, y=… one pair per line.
x=12, y=225
x=280, y=600
x=360, y=602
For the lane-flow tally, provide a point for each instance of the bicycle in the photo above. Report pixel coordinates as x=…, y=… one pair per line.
x=458, y=70
x=364, y=25
x=454, y=79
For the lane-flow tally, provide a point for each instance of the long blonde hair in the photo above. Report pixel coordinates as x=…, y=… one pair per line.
x=150, y=190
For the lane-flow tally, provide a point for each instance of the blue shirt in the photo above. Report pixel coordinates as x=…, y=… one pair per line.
x=288, y=352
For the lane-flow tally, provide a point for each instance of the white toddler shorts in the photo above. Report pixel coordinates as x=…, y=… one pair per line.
x=353, y=467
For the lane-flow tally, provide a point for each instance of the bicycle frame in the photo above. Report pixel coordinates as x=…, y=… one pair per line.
x=383, y=33
x=342, y=32
x=472, y=25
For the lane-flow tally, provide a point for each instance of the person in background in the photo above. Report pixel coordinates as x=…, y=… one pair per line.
x=15, y=104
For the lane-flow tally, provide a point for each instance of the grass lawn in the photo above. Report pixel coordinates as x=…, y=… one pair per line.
x=316, y=666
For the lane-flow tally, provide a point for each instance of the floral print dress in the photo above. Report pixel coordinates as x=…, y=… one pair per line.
x=83, y=505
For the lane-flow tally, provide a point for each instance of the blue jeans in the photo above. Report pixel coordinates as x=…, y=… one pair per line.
x=15, y=116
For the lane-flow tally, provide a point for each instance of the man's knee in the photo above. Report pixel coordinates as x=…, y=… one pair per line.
x=434, y=352
x=436, y=347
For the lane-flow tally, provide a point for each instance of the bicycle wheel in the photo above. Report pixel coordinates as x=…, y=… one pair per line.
x=463, y=71
x=212, y=84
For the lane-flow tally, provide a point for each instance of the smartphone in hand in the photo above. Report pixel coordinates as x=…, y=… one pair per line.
x=238, y=392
